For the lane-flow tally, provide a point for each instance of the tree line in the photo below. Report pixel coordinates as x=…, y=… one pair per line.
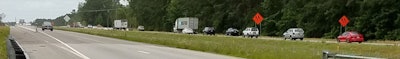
x=376, y=19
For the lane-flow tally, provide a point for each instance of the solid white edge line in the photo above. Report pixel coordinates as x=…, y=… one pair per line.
x=143, y=52
x=26, y=55
x=79, y=54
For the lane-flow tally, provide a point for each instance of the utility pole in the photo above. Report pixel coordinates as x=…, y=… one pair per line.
x=36, y=27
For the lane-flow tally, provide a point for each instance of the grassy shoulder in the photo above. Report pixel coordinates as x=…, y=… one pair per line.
x=4, y=32
x=246, y=47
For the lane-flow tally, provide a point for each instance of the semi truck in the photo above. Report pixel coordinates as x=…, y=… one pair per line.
x=120, y=24
x=185, y=22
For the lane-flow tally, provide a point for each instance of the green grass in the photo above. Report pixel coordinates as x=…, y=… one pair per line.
x=4, y=32
x=248, y=48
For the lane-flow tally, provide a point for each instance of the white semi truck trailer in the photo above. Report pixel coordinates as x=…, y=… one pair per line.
x=120, y=24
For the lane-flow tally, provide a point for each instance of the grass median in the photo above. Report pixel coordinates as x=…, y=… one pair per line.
x=246, y=47
x=4, y=32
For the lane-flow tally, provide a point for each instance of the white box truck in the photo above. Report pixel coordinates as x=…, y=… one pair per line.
x=120, y=24
x=185, y=22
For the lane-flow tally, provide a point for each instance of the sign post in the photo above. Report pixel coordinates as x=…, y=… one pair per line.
x=66, y=18
x=258, y=19
x=36, y=27
x=343, y=21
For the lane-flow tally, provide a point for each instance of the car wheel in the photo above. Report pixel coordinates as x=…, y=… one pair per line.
x=256, y=36
x=359, y=42
x=51, y=29
x=301, y=39
x=284, y=38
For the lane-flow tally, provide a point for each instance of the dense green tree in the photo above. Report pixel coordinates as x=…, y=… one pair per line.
x=98, y=12
x=376, y=19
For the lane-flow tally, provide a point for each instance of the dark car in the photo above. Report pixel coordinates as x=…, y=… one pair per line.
x=351, y=36
x=47, y=26
x=232, y=32
x=209, y=31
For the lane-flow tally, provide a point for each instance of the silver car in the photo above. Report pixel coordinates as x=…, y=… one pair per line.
x=140, y=28
x=294, y=33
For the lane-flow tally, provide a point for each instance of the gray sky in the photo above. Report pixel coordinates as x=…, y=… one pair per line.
x=33, y=9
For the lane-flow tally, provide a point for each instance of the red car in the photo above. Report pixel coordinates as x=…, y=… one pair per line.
x=350, y=36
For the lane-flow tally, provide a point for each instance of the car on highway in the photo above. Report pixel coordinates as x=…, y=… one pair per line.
x=90, y=26
x=294, y=33
x=209, y=31
x=140, y=28
x=188, y=31
x=232, y=32
x=251, y=32
x=350, y=36
x=47, y=26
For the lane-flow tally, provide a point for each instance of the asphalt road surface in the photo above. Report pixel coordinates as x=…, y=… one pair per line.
x=71, y=45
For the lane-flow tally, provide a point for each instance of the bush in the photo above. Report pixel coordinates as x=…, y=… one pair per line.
x=393, y=35
x=4, y=32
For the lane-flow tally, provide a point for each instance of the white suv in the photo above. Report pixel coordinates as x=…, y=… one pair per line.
x=251, y=32
x=294, y=33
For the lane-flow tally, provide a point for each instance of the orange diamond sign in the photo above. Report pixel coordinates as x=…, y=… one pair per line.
x=344, y=21
x=258, y=18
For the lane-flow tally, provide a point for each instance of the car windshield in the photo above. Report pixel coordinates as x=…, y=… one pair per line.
x=46, y=24
x=298, y=30
x=354, y=33
x=345, y=33
x=208, y=28
x=254, y=29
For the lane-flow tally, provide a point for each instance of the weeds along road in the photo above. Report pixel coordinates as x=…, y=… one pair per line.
x=71, y=45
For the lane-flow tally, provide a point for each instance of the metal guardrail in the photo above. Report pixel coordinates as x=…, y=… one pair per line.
x=14, y=49
x=328, y=55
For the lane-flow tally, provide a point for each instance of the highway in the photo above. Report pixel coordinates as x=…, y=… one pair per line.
x=71, y=45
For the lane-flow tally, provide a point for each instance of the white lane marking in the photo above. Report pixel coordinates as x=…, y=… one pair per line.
x=143, y=52
x=46, y=41
x=78, y=53
x=85, y=38
x=66, y=49
x=26, y=55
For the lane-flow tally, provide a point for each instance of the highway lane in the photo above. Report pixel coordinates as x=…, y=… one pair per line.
x=71, y=45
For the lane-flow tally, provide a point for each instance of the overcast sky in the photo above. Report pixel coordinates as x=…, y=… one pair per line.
x=33, y=9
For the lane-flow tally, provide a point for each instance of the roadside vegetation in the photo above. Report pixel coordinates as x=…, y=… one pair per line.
x=246, y=47
x=4, y=32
